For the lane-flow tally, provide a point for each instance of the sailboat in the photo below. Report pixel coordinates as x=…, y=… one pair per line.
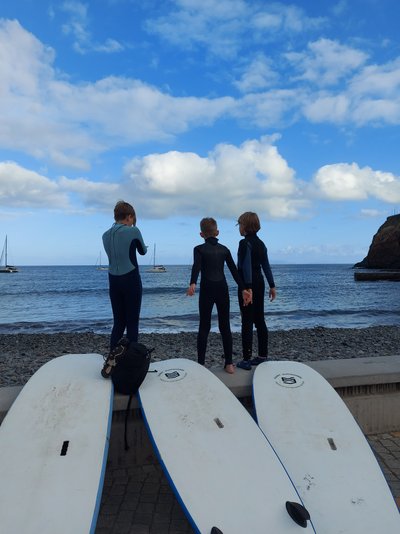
x=4, y=267
x=156, y=268
x=99, y=266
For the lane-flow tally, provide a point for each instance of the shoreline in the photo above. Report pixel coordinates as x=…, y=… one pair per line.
x=22, y=354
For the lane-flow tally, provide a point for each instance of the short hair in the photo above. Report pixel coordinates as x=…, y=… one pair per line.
x=208, y=226
x=122, y=210
x=250, y=222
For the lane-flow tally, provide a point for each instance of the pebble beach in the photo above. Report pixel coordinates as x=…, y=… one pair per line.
x=22, y=354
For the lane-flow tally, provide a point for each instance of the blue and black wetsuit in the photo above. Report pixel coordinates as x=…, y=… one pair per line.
x=210, y=258
x=121, y=243
x=252, y=257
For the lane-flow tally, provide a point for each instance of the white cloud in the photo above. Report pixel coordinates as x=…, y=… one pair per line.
x=370, y=212
x=313, y=253
x=330, y=108
x=50, y=118
x=326, y=62
x=344, y=181
x=21, y=188
x=378, y=80
x=229, y=180
x=77, y=26
x=272, y=108
x=258, y=75
x=224, y=27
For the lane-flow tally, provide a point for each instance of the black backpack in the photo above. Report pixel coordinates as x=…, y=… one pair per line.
x=127, y=365
x=131, y=369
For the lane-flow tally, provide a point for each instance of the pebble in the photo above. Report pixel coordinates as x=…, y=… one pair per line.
x=22, y=354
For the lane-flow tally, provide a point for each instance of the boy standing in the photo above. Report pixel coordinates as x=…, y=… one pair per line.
x=252, y=262
x=210, y=258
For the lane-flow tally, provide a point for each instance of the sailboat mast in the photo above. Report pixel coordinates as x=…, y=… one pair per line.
x=6, y=252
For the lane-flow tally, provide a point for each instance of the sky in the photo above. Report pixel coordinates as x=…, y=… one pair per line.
x=188, y=109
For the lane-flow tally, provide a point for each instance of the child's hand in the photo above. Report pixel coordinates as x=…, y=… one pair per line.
x=191, y=290
x=247, y=296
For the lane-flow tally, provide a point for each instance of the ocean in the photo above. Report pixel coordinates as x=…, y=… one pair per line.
x=75, y=299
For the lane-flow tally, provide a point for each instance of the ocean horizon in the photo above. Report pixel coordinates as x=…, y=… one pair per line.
x=50, y=299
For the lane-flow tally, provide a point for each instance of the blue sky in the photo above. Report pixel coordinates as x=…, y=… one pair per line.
x=190, y=108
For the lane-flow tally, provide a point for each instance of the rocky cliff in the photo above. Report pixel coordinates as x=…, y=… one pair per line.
x=384, y=251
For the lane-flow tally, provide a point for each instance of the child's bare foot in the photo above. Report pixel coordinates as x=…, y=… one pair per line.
x=229, y=368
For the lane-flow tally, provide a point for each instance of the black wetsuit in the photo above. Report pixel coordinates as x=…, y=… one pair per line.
x=252, y=257
x=210, y=258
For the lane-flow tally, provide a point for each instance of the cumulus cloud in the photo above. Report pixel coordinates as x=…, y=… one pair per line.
x=344, y=181
x=229, y=180
x=48, y=117
x=53, y=119
x=21, y=188
x=325, y=62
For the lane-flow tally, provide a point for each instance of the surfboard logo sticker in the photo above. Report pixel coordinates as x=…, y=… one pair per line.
x=289, y=380
x=172, y=375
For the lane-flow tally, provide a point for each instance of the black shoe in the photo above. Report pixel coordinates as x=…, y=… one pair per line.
x=258, y=360
x=244, y=364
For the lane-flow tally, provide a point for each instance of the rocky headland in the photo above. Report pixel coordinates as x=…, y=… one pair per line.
x=384, y=251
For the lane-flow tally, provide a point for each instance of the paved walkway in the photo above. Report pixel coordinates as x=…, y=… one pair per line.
x=138, y=500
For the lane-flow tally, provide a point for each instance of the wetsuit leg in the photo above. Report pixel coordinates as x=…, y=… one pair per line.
x=133, y=302
x=118, y=309
x=246, y=328
x=223, y=309
x=125, y=297
x=206, y=303
x=259, y=317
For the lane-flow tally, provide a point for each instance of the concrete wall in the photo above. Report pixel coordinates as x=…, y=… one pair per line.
x=369, y=386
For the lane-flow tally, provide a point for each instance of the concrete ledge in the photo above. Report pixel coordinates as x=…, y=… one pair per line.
x=369, y=386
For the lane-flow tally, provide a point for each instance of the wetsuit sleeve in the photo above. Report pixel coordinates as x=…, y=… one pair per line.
x=140, y=246
x=196, y=267
x=233, y=269
x=244, y=263
x=267, y=268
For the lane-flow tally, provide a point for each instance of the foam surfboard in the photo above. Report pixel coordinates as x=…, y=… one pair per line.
x=53, y=449
x=324, y=450
x=222, y=469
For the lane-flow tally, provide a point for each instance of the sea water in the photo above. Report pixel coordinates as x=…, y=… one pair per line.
x=75, y=299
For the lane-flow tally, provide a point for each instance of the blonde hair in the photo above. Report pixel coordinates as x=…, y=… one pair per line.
x=208, y=227
x=121, y=211
x=250, y=222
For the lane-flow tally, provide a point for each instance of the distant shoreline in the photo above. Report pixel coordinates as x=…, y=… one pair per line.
x=22, y=354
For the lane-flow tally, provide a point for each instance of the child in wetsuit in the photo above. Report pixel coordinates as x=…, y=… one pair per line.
x=121, y=242
x=252, y=258
x=210, y=258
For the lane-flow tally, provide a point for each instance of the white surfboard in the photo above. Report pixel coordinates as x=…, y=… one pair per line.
x=324, y=450
x=220, y=465
x=53, y=449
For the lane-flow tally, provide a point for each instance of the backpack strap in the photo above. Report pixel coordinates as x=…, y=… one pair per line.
x=126, y=422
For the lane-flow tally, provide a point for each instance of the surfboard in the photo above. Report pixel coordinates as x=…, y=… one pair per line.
x=53, y=449
x=224, y=473
x=324, y=450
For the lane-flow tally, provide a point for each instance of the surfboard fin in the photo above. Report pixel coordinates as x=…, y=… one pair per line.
x=298, y=513
x=216, y=530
